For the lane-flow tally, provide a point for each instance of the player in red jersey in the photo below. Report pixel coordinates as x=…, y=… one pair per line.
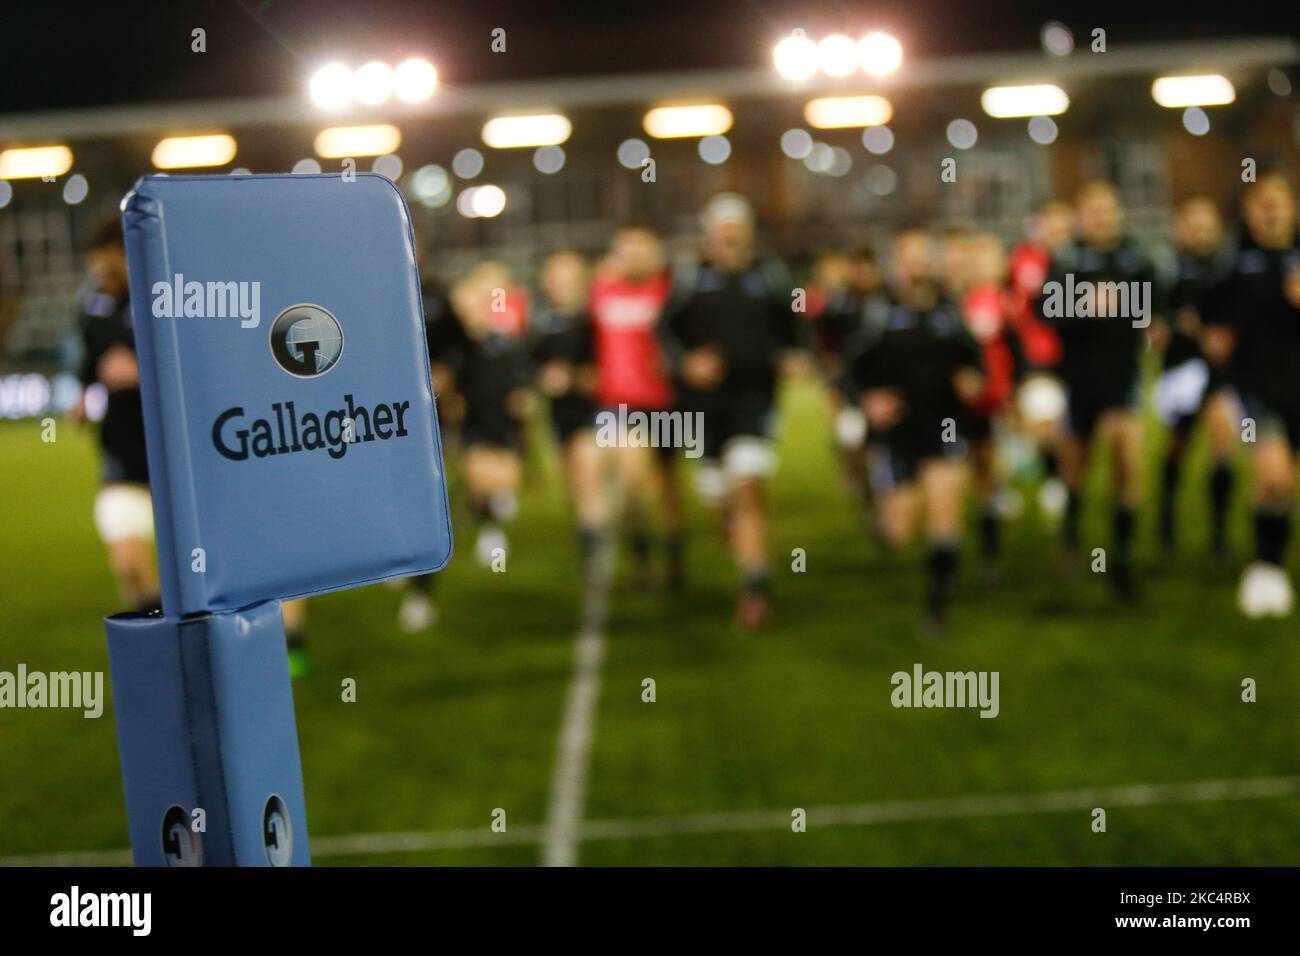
x=986, y=307
x=1041, y=397
x=626, y=301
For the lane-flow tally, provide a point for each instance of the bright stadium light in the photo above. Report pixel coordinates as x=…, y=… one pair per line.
x=331, y=86
x=1178, y=92
x=704, y=119
x=488, y=201
x=481, y=202
x=837, y=55
x=841, y=112
x=188, y=152
x=35, y=162
x=373, y=83
x=340, y=141
x=509, y=132
x=796, y=57
x=414, y=80
x=880, y=53
x=1006, y=102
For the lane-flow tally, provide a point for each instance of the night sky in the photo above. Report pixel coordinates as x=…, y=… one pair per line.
x=63, y=56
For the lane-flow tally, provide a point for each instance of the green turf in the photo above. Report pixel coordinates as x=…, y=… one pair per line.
x=450, y=726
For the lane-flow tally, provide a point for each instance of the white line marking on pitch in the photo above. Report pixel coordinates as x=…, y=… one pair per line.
x=563, y=831
x=862, y=814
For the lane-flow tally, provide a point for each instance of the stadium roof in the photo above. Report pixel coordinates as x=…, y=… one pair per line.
x=1225, y=56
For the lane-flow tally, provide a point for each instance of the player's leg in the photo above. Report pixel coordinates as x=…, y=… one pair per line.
x=1122, y=431
x=124, y=520
x=1177, y=442
x=747, y=461
x=636, y=488
x=1220, y=415
x=668, y=489
x=1265, y=586
x=584, y=474
x=940, y=483
x=984, y=480
x=492, y=477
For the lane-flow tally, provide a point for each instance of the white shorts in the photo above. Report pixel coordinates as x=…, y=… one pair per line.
x=123, y=511
x=743, y=457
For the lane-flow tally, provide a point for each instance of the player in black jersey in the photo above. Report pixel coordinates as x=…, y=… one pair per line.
x=914, y=369
x=489, y=361
x=728, y=331
x=561, y=346
x=1192, y=388
x=1253, y=316
x=1099, y=297
x=123, y=508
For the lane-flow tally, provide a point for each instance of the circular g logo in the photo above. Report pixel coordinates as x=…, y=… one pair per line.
x=277, y=832
x=306, y=340
x=181, y=846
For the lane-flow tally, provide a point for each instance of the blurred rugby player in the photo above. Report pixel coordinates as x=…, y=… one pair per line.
x=1099, y=364
x=1191, y=388
x=561, y=338
x=1253, y=315
x=915, y=370
x=728, y=331
x=123, y=507
x=627, y=301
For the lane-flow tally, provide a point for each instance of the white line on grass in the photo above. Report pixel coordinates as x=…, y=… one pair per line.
x=862, y=814
x=563, y=831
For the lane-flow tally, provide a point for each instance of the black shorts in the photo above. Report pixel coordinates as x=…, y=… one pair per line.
x=738, y=418
x=1087, y=404
x=568, y=417
x=895, y=457
x=493, y=432
x=1272, y=419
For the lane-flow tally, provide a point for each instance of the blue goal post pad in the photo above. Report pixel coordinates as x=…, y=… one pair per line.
x=289, y=413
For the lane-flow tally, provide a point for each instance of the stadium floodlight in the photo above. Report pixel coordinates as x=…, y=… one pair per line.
x=35, y=162
x=841, y=112
x=373, y=83
x=488, y=201
x=414, y=80
x=332, y=86
x=340, y=141
x=188, y=152
x=1006, y=102
x=796, y=57
x=543, y=129
x=880, y=53
x=701, y=119
x=837, y=55
x=1179, y=92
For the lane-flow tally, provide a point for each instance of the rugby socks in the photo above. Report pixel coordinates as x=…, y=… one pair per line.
x=1070, y=527
x=1221, y=482
x=1169, y=490
x=990, y=530
x=675, y=555
x=1272, y=535
x=1122, y=519
x=942, y=568
x=757, y=582
x=1121, y=565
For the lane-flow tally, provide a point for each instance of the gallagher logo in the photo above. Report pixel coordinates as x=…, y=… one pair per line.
x=306, y=340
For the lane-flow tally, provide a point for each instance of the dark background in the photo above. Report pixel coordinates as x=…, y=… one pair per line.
x=61, y=56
